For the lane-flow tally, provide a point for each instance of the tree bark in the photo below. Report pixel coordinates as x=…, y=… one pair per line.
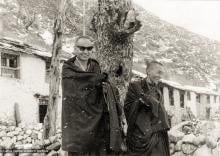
x=51, y=116
x=114, y=25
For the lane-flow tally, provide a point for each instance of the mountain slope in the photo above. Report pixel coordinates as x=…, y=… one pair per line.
x=190, y=58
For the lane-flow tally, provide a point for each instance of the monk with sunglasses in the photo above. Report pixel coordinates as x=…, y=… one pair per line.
x=90, y=123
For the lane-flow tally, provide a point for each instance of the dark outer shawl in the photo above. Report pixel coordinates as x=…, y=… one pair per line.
x=146, y=117
x=85, y=117
x=82, y=107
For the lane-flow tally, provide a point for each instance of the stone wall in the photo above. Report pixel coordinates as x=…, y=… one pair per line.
x=195, y=138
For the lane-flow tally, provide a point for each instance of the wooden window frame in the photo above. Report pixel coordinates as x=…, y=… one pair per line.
x=17, y=69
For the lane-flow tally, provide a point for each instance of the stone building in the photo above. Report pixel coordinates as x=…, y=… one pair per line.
x=180, y=99
x=24, y=80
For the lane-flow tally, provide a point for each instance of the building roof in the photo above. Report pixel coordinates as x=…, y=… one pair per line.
x=20, y=46
x=200, y=90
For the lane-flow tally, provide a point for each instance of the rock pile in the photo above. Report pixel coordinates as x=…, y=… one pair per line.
x=195, y=138
x=14, y=138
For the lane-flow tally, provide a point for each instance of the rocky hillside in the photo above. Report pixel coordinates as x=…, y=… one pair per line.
x=185, y=53
x=189, y=57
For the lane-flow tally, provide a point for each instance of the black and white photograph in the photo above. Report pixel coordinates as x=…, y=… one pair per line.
x=110, y=78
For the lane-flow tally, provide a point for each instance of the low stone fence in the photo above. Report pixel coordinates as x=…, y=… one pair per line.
x=28, y=140
x=195, y=138
x=190, y=138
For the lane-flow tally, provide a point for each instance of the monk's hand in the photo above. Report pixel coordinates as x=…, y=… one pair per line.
x=144, y=101
x=151, y=99
x=104, y=87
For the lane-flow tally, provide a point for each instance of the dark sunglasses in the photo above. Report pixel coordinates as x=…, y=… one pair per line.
x=84, y=48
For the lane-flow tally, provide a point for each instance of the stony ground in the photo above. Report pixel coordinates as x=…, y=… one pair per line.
x=28, y=138
x=195, y=138
x=189, y=138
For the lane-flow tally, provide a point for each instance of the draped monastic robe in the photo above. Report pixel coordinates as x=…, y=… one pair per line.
x=147, y=120
x=87, y=122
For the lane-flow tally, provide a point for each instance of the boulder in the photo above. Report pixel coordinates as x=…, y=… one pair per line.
x=200, y=140
x=175, y=135
x=19, y=129
x=36, y=145
x=34, y=136
x=16, y=133
x=24, y=141
x=12, y=128
x=10, y=134
x=8, y=143
x=25, y=136
x=28, y=132
x=188, y=148
x=3, y=127
x=53, y=139
x=39, y=136
x=3, y=134
x=55, y=146
x=178, y=146
x=203, y=151
x=5, y=138
x=20, y=137
x=18, y=143
x=46, y=142
x=211, y=142
x=29, y=140
x=14, y=139
x=21, y=133
x=188, y=138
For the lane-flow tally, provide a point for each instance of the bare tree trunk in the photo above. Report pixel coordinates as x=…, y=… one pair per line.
x=51, y=116
x=114, y=24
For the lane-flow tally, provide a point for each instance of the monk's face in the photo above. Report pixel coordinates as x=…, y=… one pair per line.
x=155, y=72
x=84, y=48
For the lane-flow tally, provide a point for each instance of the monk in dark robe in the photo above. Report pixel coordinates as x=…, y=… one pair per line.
x=146, y=116
x=90, y=115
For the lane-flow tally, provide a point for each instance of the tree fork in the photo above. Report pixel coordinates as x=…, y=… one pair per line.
x=114, y=25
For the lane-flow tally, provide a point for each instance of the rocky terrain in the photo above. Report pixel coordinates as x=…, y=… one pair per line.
x=28, y=140
x=195, y=138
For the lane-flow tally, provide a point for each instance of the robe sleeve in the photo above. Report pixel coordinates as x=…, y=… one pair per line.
x=151, y=102
x=132, y=103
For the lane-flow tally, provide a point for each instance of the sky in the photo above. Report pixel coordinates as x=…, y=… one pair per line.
x=199, y=16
